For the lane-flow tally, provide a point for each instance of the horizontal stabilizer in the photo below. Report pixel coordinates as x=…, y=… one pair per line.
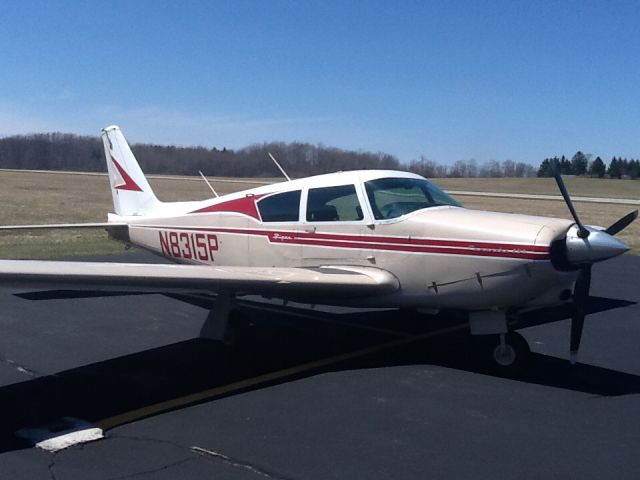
x=62, y=226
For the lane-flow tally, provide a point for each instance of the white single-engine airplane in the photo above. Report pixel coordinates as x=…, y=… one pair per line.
x=368, y=238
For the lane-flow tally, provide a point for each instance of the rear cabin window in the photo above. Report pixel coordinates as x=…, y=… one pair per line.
x=281, y=207
x=333, y=204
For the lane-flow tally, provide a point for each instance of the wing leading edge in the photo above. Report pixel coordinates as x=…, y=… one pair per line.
x=291, y=283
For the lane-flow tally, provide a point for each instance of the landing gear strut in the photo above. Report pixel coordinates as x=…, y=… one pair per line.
x=219, y=323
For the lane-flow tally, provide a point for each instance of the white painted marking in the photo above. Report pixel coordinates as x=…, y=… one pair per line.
x=69, y=439
x=66, y=433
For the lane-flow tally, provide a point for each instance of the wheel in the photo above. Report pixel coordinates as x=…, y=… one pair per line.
x=512, y=356
x=504, y=355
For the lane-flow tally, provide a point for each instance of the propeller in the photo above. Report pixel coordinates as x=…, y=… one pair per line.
x=622, y=223
x=601, y=246
x=580, y=298
x=582, y=231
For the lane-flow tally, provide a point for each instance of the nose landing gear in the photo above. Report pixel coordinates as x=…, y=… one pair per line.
x=506, y=351
x=504, y=354
x=511, y=354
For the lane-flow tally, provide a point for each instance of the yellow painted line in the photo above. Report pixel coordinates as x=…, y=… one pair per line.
x=211, y=393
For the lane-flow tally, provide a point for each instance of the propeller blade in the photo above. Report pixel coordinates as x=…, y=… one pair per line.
x=622, y=223
x=580, y=298
x=582, y=231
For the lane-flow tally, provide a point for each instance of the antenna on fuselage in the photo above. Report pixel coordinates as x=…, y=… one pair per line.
x=208, y=184
x=278, y=165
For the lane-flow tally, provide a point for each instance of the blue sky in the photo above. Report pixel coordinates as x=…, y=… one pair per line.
x=449, y=80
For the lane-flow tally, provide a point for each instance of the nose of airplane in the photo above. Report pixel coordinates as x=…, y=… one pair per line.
x=597, y=246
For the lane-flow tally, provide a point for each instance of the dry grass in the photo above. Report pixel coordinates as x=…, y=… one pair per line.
x=34, y=198
x=583, y=187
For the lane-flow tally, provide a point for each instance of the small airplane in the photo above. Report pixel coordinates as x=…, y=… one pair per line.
x=367, y=238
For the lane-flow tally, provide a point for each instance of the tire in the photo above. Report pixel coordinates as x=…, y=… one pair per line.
x=512, y=359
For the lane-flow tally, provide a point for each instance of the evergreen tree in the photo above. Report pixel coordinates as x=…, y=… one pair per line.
x=579, y=163
x=614, y=168
x=634, y=169
x=545, y=169
x=597, y=168
x=624, y=167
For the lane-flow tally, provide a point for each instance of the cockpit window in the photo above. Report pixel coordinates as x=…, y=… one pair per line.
x=394, y=197
x=282, y=207
x=333, y=204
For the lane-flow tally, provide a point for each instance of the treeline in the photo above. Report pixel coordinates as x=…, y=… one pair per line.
x=471, y=168
x=52, y=151
x=62, y=151
x=581, y=164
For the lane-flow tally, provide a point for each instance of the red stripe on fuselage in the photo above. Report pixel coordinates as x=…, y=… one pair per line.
x=244, y=205
x=399, y=244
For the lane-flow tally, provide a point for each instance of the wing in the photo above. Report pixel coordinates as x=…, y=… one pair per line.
x=335, y=282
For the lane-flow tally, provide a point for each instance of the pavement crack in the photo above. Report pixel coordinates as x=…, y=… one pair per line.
x=154, y=470
x=202, y=452
x=18, y=367
x=52, y=465
x=238, y=463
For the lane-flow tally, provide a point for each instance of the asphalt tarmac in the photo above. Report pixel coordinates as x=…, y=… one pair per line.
x=314, y=395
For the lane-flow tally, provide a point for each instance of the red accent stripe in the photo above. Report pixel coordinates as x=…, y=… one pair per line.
x=422, y=241
x=129, y=184
x=440, y=246
x=244, y=205
x=414, y=245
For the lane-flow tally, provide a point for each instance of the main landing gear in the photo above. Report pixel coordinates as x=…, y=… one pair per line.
x=224, y=319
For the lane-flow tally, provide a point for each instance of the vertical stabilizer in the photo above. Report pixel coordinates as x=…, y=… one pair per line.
x=131, y=192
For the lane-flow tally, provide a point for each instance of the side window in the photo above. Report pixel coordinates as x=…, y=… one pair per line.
x=281, y=207
x=333, y=204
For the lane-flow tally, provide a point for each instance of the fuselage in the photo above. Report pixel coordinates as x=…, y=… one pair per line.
x=444, y=255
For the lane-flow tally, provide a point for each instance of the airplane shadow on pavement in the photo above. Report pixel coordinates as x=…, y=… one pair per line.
x=268, y=341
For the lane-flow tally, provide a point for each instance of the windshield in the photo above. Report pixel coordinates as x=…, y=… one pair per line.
x=394, y=197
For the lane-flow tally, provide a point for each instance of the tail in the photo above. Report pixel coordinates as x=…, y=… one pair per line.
x=131, y=192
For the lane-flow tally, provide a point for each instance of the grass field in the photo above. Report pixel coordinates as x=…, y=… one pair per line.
x=578, y=186
x=34, y=198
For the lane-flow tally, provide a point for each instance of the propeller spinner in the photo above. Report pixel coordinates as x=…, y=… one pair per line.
x=584, y=247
